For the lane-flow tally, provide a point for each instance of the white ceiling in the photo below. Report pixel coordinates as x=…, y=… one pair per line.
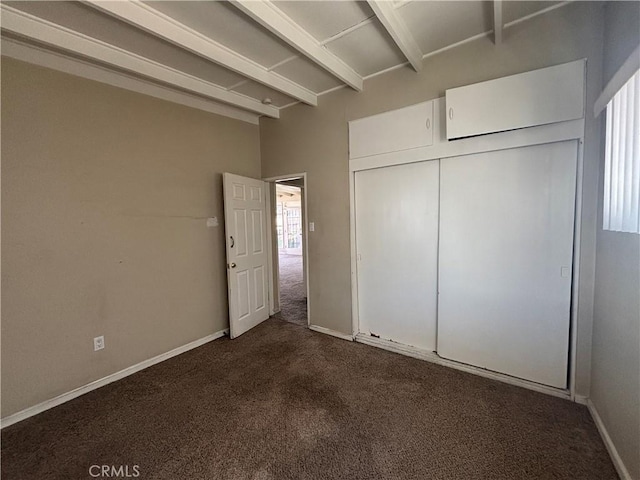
x=247, y=58
x=288, y=194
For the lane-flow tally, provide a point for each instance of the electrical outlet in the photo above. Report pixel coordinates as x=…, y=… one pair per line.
x=98, y=343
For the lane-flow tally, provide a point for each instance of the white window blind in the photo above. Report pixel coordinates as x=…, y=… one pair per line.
x=621, y=212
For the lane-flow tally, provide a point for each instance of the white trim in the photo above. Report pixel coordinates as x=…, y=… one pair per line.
x=281, y=178
x=401, y=3
x=457, y=44
x=535, y=14
x=283, y=62
x=269, y=213
x=73, y=66
x=611, y=448
x=355, y=312
x=332, y=89
x=289, y=104
x=65, y=397
x=147, y=18
x=497, y=22
x=381, y=72
x=398, y=30
x=281, y=25
x=581, y=399
x=305, y=258
x=575, y=284
x=432, y=357
x=43, y=31
x=333, y=333
x=238, y=84
x=347, y=31
x=628, y=69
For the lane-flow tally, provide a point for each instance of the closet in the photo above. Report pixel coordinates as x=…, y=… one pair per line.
x=463, y=249
x=397, y=244
x=506, y=244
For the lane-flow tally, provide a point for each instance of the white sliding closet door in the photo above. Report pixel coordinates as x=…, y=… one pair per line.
x=506, y=246
x=397, y=245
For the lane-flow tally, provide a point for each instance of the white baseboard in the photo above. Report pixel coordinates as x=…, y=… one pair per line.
x=333, y=333
x=65, y=397
x=432, y=357
x=613, y=451
x=581, y=399
x=395, y=347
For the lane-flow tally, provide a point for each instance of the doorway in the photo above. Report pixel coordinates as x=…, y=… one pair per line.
x=289, y=259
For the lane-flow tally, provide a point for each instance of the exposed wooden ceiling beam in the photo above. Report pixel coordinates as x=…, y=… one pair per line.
x=143, y=16
x=48, y=58
x=397, y=28
x=49, y=33
x=497, y=22
x=277, y=22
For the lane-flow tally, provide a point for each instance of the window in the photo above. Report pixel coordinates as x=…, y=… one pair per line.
x=279, y=225
x=621, y=211
x=294, y=227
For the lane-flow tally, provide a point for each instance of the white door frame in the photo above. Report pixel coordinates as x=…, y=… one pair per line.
x=270, y=233
x=568, y=130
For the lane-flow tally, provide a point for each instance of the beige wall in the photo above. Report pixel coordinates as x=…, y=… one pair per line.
x=615, y=384
x=105, y=195
x=315, y=140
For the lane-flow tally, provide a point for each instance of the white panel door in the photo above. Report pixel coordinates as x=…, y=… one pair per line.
x=402, y=129
x=247, y=264
x=397, y=244
x=505, y=262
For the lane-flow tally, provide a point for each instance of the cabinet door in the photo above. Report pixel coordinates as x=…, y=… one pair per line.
x=402, y=129
x=397, y=244
x=506, y=248
x=548, y=95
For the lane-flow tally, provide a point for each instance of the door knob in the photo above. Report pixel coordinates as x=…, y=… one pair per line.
x=232, y=265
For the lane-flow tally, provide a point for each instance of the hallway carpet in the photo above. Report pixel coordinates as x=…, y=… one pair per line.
x=293, y=291
x=283, y=402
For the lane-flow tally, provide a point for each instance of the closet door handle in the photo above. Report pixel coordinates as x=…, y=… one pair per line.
x=233, y=242
x=428, y=123
x=451, y=113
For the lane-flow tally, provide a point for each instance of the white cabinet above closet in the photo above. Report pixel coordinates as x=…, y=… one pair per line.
x=549, y=95
x=393, y=131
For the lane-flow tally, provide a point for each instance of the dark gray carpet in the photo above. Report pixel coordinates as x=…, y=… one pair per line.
x=283, y=402
x=293, y=291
